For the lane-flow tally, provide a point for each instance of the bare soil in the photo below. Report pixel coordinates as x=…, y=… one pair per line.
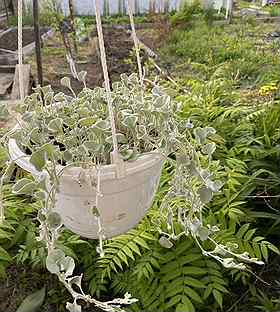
x=23, y=281
x=119, y=51
x=9, y=40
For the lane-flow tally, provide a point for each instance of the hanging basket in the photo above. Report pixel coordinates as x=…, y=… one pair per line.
x=123, y=201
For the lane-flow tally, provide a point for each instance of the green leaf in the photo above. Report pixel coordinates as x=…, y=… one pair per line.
x=173, y=301
x=273, y=248
x=39, y=159
x=192, y=294
x=24, y=186
x=187, y=302
x=4, y=256
x=264, y=251
x=134, y=247
x=194, y=282
x=87, y=121
x=218, y=297
x=191, y=270
x=33, y=302
x=141, y=242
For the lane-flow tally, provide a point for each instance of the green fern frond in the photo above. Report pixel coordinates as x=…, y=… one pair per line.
x=119, y=252
x=247, y=241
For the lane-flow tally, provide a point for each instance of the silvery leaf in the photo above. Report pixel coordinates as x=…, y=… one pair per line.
x=67, y=265
x=127, y=154
x=54, y=220
x=165, y=242
x=66, y=82
x=55, y=125
x=210, y=130
x=156, y=91
x=36, y=136
x=214, y=186
x=130, y=121
x=39, y=159
x=205, y=194
x=59, y=97
x=73, y=307
x=92, y=146
x=82, y=76
x=53, y=261
x=200, y=135
x=41, y=195
x=203, y=233
x=77, y=280
x=121, y=138
x=189, y=124
x=67, y=156
x=195, y=226
x=209, y=148
x=4, y=113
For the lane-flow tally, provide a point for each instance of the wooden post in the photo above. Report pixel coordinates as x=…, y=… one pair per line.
x=37, y=42
x=7, y=11
x=72, y=19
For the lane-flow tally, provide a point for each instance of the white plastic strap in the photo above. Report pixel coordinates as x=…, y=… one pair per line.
x=115, y=157
x=135, y=40
x=21, y=90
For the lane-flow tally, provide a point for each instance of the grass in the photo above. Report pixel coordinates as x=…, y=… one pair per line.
x=238, y=52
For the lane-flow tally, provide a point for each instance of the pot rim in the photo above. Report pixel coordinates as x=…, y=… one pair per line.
x=143, y=162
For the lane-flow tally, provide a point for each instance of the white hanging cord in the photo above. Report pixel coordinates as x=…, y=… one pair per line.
x=20, y=80
x=72, y=65
x=106, y=76
x=135, y=40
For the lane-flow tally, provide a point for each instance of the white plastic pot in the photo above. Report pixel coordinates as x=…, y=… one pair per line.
x=123, y=203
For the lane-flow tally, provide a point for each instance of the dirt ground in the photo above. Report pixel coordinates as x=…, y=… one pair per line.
x=9, y=41
x=119, y=50
x=21, y=282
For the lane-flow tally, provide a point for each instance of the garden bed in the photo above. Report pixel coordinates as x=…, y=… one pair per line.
x=119, y=50
x=9, y=43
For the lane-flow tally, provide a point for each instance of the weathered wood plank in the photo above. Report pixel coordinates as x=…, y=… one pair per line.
x=6, y=80
x=26, y=71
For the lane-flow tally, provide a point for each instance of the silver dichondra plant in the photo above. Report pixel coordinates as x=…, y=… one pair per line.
x=58, y=131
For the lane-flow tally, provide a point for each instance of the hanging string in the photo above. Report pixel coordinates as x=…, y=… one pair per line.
x=106, y=75
x=20, y=80
x=135, y=39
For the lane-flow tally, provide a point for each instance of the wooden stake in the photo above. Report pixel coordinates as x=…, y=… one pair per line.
x=73, y=26
x=37, y=42
x=7, y=11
